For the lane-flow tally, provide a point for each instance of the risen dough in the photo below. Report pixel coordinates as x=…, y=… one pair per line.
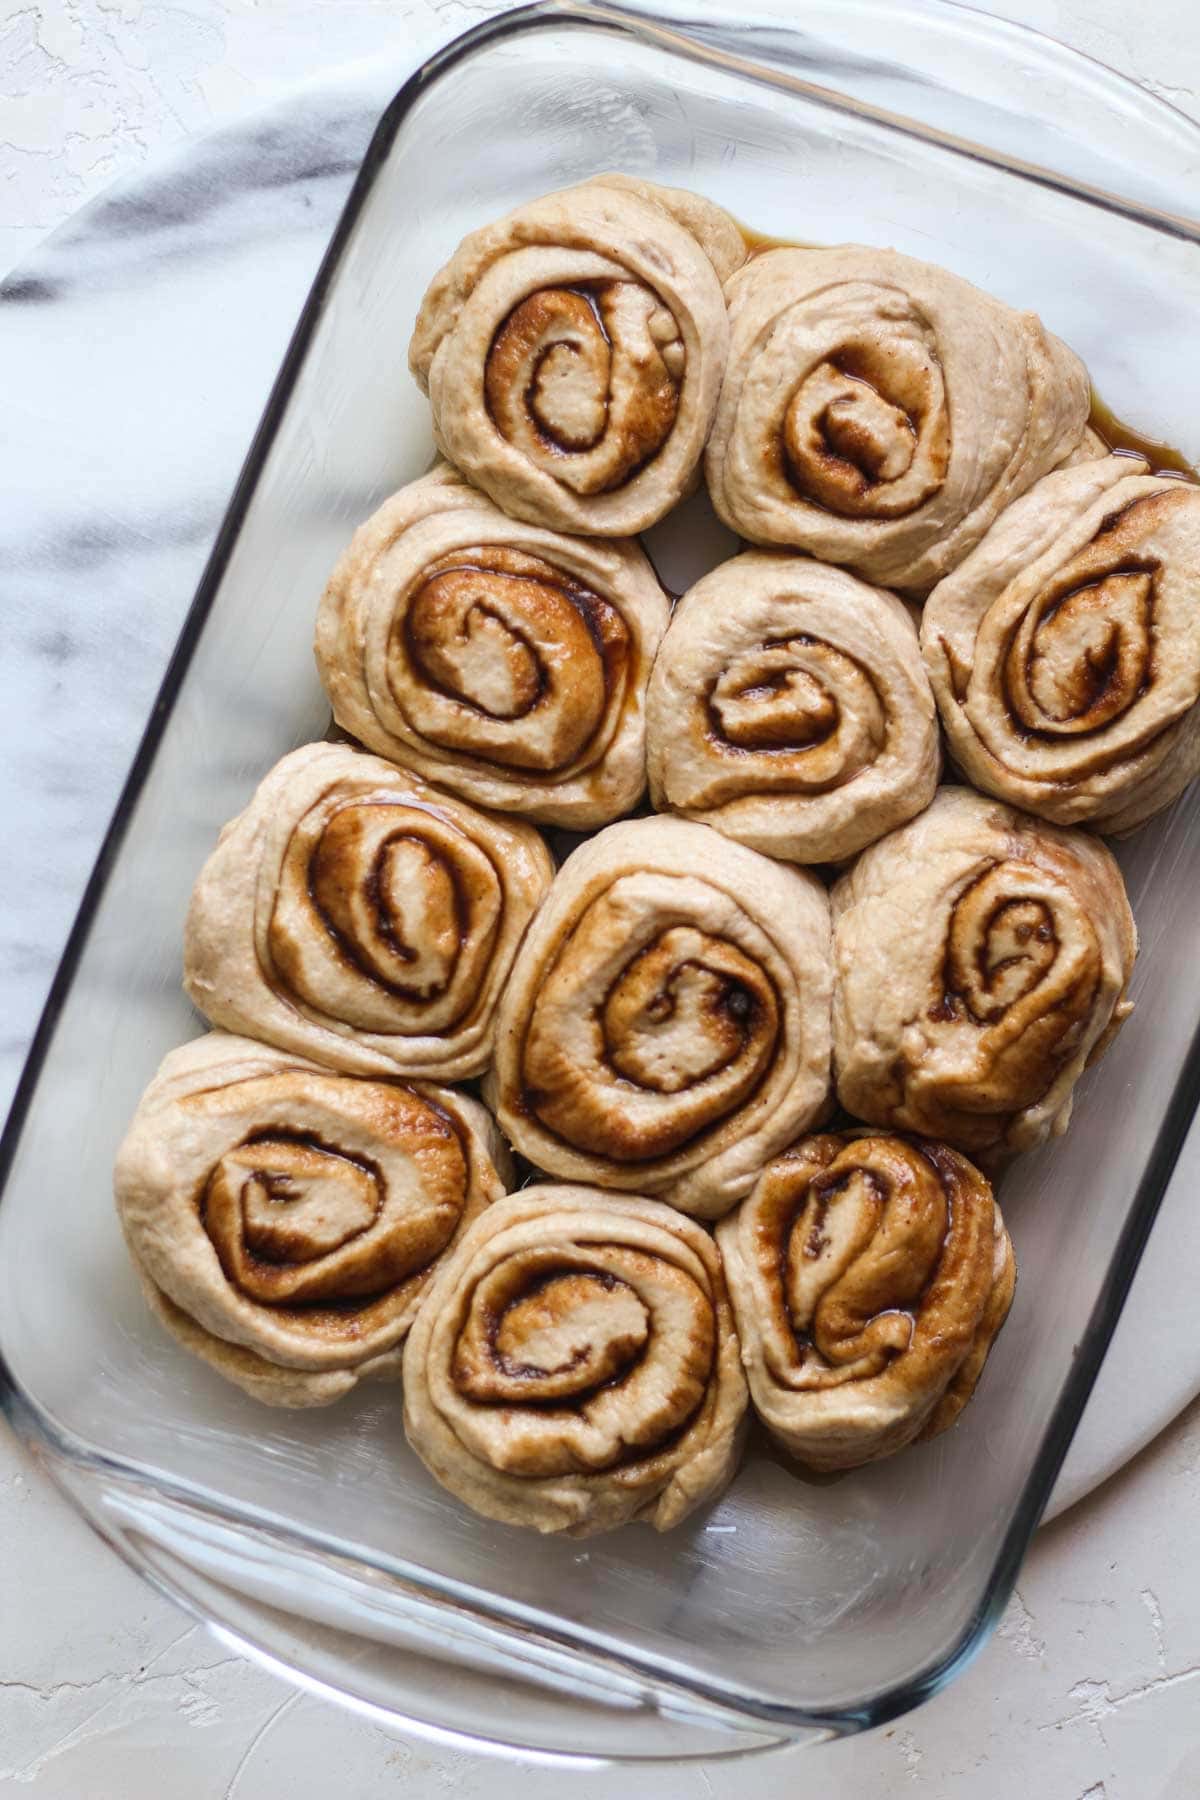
x=285, y=1221
x=573, y=350
x=576, y=1365
x=355, y=915
x=1065, y=651
x=666, y=1026
x=981, y=961
x=869, y=1275
x=789, y=708
x=502, y=661
x=880, y=412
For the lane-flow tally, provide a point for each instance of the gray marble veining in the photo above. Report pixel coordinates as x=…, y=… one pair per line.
x=136, y=352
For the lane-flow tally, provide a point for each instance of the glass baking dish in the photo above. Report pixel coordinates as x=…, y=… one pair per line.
x=796, y=1607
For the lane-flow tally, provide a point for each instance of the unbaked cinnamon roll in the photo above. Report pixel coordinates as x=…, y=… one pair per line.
x=666, y=1026
x=1065, y=651
x=789, y=708
x=981, y=962
x=356, y=916
x=575, y=1366
x=869, y=1275
x=572, y=352
x=285, y=1221
x=880, y=412
x=504, y=662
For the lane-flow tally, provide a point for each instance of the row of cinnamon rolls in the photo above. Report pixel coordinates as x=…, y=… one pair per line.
x=584, y=353
x=669, y=1008
x=572, y=1359
x=784, y=701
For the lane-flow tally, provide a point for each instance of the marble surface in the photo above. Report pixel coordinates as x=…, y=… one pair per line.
x=116, y=471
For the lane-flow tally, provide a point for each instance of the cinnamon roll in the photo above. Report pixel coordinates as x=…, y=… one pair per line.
x=789, y=708
x=880, y=412
x=572, y=352
x=1065, y=651
x=981, y=963
x=504, y=662
x=869, y=1276
x=356, y=916
x=285, y=1221
x=666, y=1026
x=575, y=1366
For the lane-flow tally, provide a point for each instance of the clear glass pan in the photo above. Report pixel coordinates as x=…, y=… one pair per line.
x=795, y=1608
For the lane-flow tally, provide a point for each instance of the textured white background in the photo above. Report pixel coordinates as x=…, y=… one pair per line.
x=1091, y=1691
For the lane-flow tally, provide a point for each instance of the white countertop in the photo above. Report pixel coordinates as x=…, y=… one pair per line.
x=1091, y=1689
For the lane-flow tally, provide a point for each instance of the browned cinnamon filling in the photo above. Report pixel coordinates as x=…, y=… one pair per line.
x=404, y=908
x=1002, y=947
x=549, y=1332
x=589, y=375
x=298, y=1225
x=687, y=1010
x=871, y=1227
x=856, y=422
x=507, y=637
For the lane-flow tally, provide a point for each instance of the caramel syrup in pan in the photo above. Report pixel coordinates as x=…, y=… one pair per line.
x=758, y=241
x=1164, y=459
